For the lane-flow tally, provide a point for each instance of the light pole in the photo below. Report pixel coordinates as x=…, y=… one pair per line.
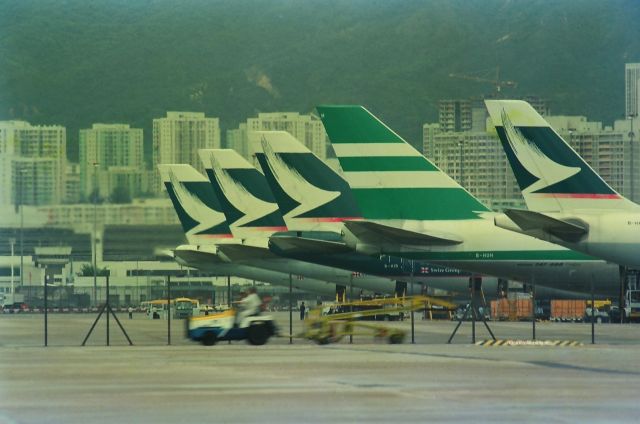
x=632, y=117
x=95, y=232
x=12, y=242
x=137, y=301
x=21, y=172
x=461, y=170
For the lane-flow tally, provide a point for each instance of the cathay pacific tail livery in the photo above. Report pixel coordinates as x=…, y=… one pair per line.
x=206, y=229
x=296, y=175
x=243, y=191
x=413, y=209
x=569, y=203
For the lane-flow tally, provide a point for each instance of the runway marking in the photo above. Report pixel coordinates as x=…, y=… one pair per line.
x=507, y=342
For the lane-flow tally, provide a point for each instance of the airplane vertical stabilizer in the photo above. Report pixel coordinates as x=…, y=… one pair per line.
x=391, y=179
x=311, y=195
x=244, y=194
x=551, y=175
x=195, y=204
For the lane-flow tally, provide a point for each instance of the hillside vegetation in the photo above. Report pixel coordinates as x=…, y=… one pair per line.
x=75, y=62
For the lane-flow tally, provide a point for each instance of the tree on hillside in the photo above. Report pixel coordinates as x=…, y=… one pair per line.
x=94, y=197
x=87, y=271
x=120, y=194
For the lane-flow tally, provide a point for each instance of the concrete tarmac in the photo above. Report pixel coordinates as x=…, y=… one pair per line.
x=364, y=382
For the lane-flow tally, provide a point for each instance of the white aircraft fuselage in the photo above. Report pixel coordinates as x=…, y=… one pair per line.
x=491, y=250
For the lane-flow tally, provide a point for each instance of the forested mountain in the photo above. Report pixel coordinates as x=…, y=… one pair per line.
x=77, y=62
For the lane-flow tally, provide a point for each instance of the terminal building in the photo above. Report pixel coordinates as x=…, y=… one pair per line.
x=132, y=241
x=71, y=283
x=131, y=282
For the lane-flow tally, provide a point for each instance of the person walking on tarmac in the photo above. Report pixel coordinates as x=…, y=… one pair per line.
x=249, y=305
x=302, y=311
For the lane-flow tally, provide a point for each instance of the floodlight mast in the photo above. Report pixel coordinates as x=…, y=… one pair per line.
x=12, y=242
x=21, y=172
x=95, y=233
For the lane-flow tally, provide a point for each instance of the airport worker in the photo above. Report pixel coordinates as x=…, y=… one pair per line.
x=302, y=310
x=250, y=305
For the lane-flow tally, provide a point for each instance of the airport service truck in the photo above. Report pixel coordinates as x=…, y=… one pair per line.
x=11, y=301
x=632, y=305
x=632, y=296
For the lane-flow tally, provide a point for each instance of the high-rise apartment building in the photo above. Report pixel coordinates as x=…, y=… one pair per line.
x=36, y=181
x=32, y=163
x=614, y=153
x=112, y=149
x=306, y=128
x=178, y=136
x=632, y=89
x=477, y=162
x=454, y=115
x=610, y=155
x=72, y=183
x=539, y=104
x=471, y=115
x=429, y=131
x=237, y=140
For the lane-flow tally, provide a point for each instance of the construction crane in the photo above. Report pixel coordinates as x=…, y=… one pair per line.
x=496, y=82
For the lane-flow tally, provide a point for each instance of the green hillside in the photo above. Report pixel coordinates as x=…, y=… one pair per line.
x=76, y=62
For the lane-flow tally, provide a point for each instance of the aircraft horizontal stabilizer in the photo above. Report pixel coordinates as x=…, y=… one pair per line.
x=242, y=252
x=193, y=257
x=531, y=221
x=373, y=233
x=167, y=253
x=308, y=246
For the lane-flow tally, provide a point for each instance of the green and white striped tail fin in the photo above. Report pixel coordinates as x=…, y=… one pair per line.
x=389, y=177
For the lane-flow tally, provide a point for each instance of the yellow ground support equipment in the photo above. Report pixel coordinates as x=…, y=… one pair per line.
x=332, y=327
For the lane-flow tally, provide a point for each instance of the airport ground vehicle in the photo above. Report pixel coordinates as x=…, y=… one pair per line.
x=11, y=301
x=222, y=326
x=182, y=307
x=632, y=305
x=598, y=315
x=185, y=307
x=571, y=310
x=482, y=311
x=324, y=327
x=386, y=309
